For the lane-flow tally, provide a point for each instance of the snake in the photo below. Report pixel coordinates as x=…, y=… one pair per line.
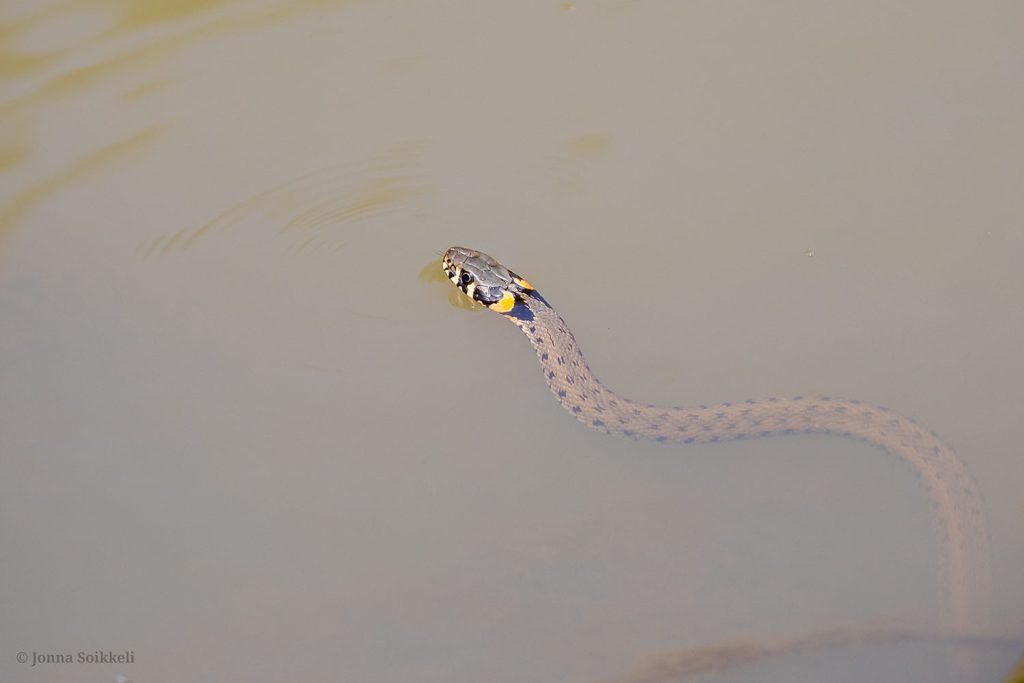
x=963, y=573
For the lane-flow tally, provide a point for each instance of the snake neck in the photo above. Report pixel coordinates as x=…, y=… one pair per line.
x=964, y=572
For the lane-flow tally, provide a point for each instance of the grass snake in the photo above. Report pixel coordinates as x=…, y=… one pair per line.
x=959, y=519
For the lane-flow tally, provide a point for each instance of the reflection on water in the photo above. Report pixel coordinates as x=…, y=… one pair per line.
x=42, y=35
x=1017, y=675
x=690, y=663
x=38, y=71
x=12, y=155
x=244, y=441
x=434, y=274
x=15, y=208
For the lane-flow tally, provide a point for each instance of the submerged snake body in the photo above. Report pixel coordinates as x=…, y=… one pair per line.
x=960, y=522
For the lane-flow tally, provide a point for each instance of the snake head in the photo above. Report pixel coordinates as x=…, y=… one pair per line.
x=483, y=279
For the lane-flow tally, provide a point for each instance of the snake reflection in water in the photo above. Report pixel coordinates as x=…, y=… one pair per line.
x=959, y=520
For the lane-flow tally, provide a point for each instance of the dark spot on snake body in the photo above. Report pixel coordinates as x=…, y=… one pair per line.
x=570, y=379
x=689, y=439
x=561, y=393
x=841, y=410
x=740, y=436
x=798, y=398
x=627, y=432
x=560, y=361
x=750, y=401
x=664, y=416
x=551, y=374
x=826, y=398
x=713, y=439
x=544, y=356
x=533, y=329
x=683, y=428
x=661, y=439
x=597, y=423
x=577, y=410
x=772, y=399
x=613, y=403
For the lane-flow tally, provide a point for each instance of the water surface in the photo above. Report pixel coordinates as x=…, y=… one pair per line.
x=245, y=439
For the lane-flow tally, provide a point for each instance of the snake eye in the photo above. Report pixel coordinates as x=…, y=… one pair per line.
x=465, y=278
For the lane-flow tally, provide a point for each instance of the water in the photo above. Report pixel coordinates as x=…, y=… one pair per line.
x=245, y=438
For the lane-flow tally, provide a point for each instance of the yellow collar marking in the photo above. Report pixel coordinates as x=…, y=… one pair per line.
x=508, y=300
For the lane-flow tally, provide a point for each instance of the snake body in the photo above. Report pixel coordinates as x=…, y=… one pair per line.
x=964, y=573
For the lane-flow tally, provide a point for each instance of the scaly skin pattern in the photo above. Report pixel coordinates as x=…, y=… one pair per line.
x=964, y=573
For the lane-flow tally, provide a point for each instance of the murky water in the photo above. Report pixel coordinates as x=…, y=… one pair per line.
x=245, y=439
